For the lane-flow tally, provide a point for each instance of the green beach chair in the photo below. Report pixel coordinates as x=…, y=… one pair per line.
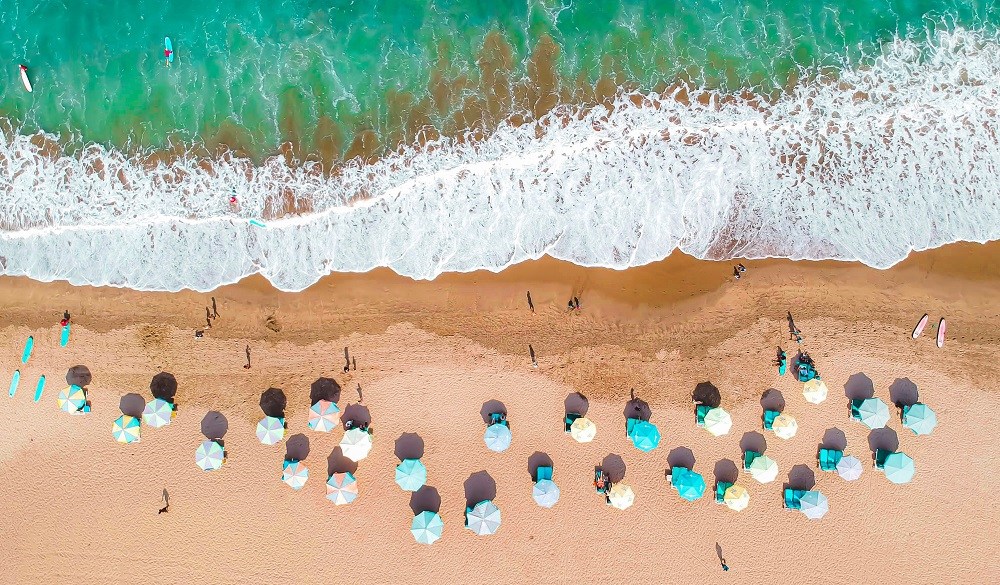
x=769, y=416
x=720, y=491
x=793, y=499
x=570, y=418
x=748, y=457
x=880, y=456
x=699, y=414
x=543, y=472
x=829, y=458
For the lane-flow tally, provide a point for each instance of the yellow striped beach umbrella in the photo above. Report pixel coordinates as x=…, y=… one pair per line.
x=583, y=430
x=785, y=426
x=736, y=497
x=621, y=496
x=72, y=399
x=125, y=429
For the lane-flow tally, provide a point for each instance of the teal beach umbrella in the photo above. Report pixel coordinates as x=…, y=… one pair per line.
x=899, y=467
x=125, y=429
x=919, y=418
x=689, y=485
x=497, y=437
x=873, y=413
x=427, y=527
x=645, y=436
x=545, y=493
x=411, y=475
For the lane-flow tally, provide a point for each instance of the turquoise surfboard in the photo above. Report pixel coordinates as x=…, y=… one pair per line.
x=28, y=346
x=257, y=222
x=64, y=338
x=167, y=45
x=14, y=381
x=39, y=388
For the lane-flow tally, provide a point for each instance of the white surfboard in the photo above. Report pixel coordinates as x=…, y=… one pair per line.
x=24, y=78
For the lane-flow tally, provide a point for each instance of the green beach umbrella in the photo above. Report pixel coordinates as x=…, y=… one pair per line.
x=814, y=505
x=411, y=475
x=483, y=518
x=209, y=456
x=342, y=488
x=645, y=436
x=545, y=493
x=764, y=469
x=158, y=413
x=295, y=474
x=427, y=527
x=873, y=413
x=689, y=485
x=919, y=418
x=270, y=430
x=899, y=468
x=718, y=422
x=497, y=437
x=125, y=429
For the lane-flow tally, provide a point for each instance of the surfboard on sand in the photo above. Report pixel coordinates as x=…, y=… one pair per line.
x=39, y=388
x=64, y=337
x=940, y=335
x=28, y=346
x=24, y=77
x=168, y=46
x=920, y=326
x=13, y=383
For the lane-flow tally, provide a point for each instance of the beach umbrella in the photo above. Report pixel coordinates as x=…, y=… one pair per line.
x=341, y=488
x=583, y=430
x=125, y=429
x=484, y=518
x=764, y=469
x=899, y=467
x=689, y=485
x=356, y=444
x=919, y=418
x=849, y=468
x=157, y=413
x=718, y=422
x=411, y=474
x=621, y=496
x=209, y=455
x=295, y=474
x=814, y=505
x=736, y=497
x=497, y=437
x=426, y=527
x=815, y=391
x=71, y=399
x=324, y=416
x=546, y=493
x=785, y=426
x=270, y=430
x=873, y=413
x=645, y=436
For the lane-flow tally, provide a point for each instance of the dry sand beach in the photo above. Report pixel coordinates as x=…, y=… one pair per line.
x=79, y=508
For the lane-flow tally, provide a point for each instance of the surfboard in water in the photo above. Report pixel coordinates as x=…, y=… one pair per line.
x=24, y=77
x=940, y=335
x=28, y=346
x=39, y=387
x=920, y=327
x=168, y=46
x=13, y=383
x=64, y=337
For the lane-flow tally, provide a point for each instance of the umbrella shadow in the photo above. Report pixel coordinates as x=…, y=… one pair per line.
x=273, y=402
x=884, y=438
x=772, y=399
x=637, y=408
x=132, y=404
x=614, y=466
x=536, y=460
x=859, y=386
x=834, y=438
x=726, y=471
x=324, y=389
x=409, y=446
x=801, y=477
x=79, y=376
x=358, y=414
x=163, y=386
x=478, y=487
x=680, y=457
x=576, y=402
x=706, y=393
x=297, y=447
x=491, y=406
x=214, y=425
x=753, y=441
x=903, y=392
x=426, y=499
x=338, y=463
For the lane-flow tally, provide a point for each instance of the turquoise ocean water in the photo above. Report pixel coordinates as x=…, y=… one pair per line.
x=873, y=109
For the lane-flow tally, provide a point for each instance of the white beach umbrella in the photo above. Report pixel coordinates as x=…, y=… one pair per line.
x=546, y=493
x=814, y=505
x=356, y=444
x=815, y=391
x=209, y=456
x=295, y=474
x=484, y=518
x=849, y=468
x=718, y=422
x=621, y=496
x=764, y=469
x=785, y=426
x=736, y=497
x=270, y=430
x=583, y=430
x=157, y=413
x=324, y=416
x=497, y=437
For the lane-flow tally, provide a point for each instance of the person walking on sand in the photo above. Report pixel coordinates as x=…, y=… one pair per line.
x=166, y=500
x=736, y=272
x=531, y=352
x=215, y=310
x=531, y=305
x=576, y=303
x=247, y=366
x=569, y=305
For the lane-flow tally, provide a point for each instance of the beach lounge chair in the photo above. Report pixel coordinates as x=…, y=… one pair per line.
x=630, y=424
x=880, y=456
x=793, y=499
x=748, y=457
x=543, y=472
x=829, y=458
x=769, y=416
x=499, y=418
x=855, y=406
x=720, y=491
x=699, y=414
x=570, y=419
x=602, y=483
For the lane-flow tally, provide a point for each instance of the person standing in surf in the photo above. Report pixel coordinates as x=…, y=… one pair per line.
x=166, y=56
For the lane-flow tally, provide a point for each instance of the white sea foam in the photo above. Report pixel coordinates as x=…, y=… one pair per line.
x=897, y=156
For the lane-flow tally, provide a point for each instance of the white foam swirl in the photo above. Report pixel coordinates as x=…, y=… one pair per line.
x=897, y=156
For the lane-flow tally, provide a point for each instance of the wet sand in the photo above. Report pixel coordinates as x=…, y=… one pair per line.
x=82, y=509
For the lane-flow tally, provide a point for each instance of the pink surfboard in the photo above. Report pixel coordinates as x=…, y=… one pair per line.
x=940, y=335
x=920, y=326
